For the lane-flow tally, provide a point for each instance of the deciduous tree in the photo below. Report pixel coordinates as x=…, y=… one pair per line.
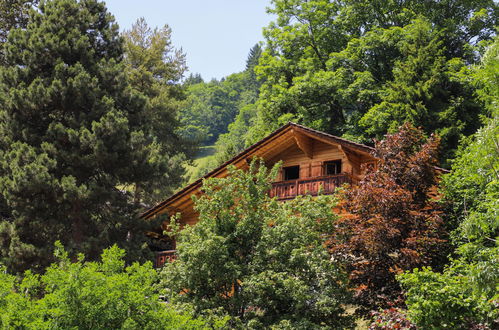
x=392, y=223
x=88, y=295
x=363, y=69
x=465, y=294
x=258, y=260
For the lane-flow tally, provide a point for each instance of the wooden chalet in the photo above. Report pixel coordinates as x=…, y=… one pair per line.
x=310, y=160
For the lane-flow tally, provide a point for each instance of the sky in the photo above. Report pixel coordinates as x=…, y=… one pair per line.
x=216, y=35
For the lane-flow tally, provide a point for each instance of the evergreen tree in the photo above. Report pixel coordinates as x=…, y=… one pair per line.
x=193, y=78
x=154, y=68
x=13, y=14
x=253, y=57
x=70, y=137
x=251, y=62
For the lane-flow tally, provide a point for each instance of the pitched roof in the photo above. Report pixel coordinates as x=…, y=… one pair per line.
x=196, y=184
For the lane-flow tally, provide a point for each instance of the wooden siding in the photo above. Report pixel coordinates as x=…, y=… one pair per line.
x=293, y=145
x=286, y=150
x=312, y=167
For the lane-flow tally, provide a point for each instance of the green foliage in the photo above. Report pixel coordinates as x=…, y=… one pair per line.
x=487, y=75
x=427, y=89
x=454, y=299
x=473, y=186
x=13, y=14
x=221, y=111
x=466, y=294
x=212, y=106
x=73, y=133
x=205, y=160
x=363, y=69
x=237, y=136
x=236, y=139
x=88, y=295
x=154, y=68
x=259, y=261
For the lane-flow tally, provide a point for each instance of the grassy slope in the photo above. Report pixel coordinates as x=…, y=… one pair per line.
x=203, y=158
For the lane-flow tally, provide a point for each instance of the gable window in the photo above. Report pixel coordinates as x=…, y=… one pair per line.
x=332, y=167
x=291, y=172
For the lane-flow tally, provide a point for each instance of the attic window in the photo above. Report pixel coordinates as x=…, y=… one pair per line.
x=332, y=167
x=291, y=172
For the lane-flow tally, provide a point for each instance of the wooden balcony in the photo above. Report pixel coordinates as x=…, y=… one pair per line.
x=308, y=186
x=163, y=257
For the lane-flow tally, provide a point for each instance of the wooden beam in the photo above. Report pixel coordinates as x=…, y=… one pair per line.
x=304, y=143
x=327, y=141
x=350, y=154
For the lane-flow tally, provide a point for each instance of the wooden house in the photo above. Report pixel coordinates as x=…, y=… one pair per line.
x=310, y=160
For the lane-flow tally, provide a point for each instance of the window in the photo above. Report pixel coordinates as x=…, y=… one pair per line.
x=332, y=167
x=291, y=172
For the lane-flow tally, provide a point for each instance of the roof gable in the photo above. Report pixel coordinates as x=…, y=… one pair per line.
x=271, y=145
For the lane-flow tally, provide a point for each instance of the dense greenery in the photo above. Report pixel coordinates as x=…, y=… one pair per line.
x=259, y=261
x=362, y=69
x=73, y=136
x=154, y=68
x=88, y=295
x=14, y=15
x=466, y=294
x=212, y=106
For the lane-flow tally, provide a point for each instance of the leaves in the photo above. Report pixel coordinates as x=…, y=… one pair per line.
x=68, y=136
x=261, y=261
x=361, y=70
x=391, y=222
x=88, y=295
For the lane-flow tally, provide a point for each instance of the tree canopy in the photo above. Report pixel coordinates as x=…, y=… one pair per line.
x=466, y=294
x=391, y=221
x=363, y=69
x=73, y=136
x=88, y=295
x=259, y=261
x=154, y=69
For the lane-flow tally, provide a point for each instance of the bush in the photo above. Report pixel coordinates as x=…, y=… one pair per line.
x=456, y=298
x=391, y=318
x=88, y=295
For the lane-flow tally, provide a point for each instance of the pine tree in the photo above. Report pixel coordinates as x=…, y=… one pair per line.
x=13, y=14
x=70, y=136
x=155, y=68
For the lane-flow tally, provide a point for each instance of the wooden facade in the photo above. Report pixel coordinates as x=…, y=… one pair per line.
x=311, y=161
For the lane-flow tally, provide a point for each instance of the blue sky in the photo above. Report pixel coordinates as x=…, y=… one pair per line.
x=216, y=35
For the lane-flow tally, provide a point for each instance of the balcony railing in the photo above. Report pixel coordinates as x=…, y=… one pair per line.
x=308, y=186
x=163, y=257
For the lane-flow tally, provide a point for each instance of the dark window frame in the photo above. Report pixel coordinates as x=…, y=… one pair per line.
x=337, y=167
